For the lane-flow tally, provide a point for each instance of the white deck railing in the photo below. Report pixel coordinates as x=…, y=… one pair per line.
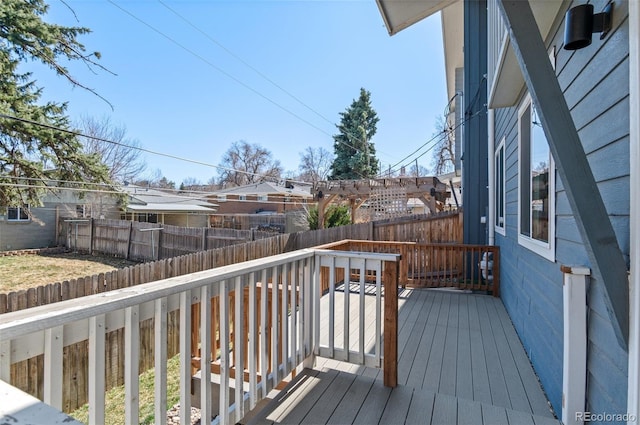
x=258, y=364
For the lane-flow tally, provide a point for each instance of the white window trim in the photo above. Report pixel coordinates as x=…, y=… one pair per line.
x=544, y=249
x=497, y=227
x=19, y=220
x=242, y=197
x=263, y=198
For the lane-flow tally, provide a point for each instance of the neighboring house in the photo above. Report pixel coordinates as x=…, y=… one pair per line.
x=562, y=177
x=37, y=227
x=176, y=209
x=265, y=197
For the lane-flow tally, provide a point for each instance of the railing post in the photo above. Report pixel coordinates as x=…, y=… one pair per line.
x=574, y=362
x=496, y=272
x=53, y=367
x=311, y=302
x=390, y=362
x=131, y=364
x=404, y=265
x=96, y=369
x=5, y=361
x=160, y=360
x=185, y=356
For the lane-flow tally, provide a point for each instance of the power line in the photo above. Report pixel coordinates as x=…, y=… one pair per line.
x=237, y=80
x=254, y=69
x=149, y=151
x=245, y=63
x=440, y=136
x=292, y=201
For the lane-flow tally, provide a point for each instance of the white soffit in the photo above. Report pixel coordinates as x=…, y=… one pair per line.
x=508, y=80
x=400, y=14
x=453, y=40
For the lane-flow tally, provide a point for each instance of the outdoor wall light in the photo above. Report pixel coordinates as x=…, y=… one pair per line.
x=580, y=23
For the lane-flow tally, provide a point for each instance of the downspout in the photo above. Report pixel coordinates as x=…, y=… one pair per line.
x=633, y=386
x=492, y=178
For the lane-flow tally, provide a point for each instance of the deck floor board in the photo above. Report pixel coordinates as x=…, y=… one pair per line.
x=460, y=362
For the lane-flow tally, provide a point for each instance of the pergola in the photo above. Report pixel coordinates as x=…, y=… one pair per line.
x=429, y=190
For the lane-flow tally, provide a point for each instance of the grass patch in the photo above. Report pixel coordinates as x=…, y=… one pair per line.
x=29, y=271
x=114, y=399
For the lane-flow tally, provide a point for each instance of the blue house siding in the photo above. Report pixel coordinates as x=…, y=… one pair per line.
x=595, y=83
x=475, y=129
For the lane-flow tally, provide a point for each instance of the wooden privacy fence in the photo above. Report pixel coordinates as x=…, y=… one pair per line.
x=440, y=228
x=473, y=267
x=249, y=221
x=147, y=241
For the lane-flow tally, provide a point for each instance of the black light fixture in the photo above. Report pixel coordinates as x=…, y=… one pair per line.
x=580, y=23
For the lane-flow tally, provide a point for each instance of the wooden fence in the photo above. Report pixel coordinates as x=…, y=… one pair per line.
x=441, y=228
x=146, y=241
x=124, y=239
x=248, y=221
x=444, y=265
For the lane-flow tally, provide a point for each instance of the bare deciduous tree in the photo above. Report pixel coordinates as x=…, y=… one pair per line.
x=444, y=151
x=123, y=158
x=417, y=170
x=155, y=179
x=246, y=163
x=315, y=164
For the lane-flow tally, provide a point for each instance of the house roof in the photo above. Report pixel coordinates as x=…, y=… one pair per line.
x=268, y=188
x=142, y=199
x=400, y=14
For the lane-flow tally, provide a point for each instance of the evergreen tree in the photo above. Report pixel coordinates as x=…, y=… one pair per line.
x=30, y=152
x=355, y=153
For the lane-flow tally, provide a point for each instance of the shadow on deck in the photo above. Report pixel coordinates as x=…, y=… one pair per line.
x=460, y=362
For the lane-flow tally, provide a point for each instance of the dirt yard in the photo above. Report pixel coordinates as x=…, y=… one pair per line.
x=26, y=271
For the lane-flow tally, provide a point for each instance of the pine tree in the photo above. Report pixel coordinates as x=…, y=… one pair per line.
x=355, y=153
x=29, y=152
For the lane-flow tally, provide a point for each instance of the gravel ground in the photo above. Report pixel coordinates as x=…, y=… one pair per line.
x=173, y=415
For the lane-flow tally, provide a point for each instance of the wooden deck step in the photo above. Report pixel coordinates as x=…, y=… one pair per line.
x=338, y=397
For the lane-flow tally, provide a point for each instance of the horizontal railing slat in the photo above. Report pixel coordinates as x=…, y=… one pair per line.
x=39, y=318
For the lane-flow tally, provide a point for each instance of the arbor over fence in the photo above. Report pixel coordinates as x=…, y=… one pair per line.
x=112, y=240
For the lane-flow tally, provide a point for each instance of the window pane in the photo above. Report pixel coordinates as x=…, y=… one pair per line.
x=24, y=213
x=525, y=176
x=12, y=213
x=539, y=181
x=501, y=186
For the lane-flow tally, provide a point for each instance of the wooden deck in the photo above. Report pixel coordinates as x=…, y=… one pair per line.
x=460, y=362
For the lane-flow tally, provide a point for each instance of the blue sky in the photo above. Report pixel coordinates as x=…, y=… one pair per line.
x=176, y=100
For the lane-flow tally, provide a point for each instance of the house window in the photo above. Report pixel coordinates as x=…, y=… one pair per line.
x=536, y=209
x=18, y=213
x=500, y=189
x=222, y=198
x=262, y=198
x=147, y=217
x=242, y=197
x=83, y=211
